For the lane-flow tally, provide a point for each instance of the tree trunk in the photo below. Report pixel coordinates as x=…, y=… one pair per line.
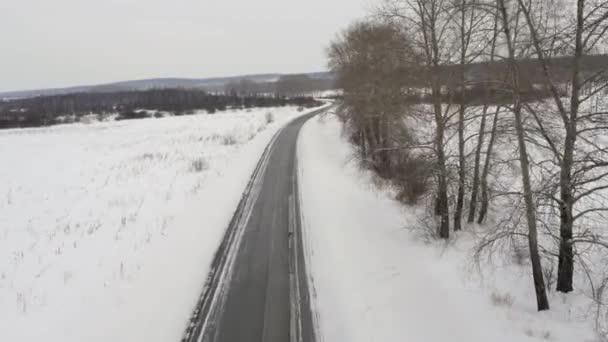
x=485, y=198
x=428, y=20
x=363, y=144
x=476, y=167
x=386, y=154
x=565, y=268
x=482, y=129
x=461, y=114
x=442, y=190
x=537, y=271
x=461, y=169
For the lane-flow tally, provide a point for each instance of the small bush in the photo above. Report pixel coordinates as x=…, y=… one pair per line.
x=229, y=140
x=85, y=119
x=269, y=118
x=199, y=165
x=412, y=178
x=132, y=115
x=147, y=156
x=498, y=299
x=521, y=254
x=545, y=335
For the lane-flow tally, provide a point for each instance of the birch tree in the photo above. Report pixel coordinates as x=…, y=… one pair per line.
x=579, y=158
x=470, y=23
x=530, y=204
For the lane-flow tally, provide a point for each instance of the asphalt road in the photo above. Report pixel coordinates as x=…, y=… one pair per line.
x=257, y=290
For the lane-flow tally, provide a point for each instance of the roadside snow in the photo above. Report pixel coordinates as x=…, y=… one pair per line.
x=107, y=230
x=374, y=282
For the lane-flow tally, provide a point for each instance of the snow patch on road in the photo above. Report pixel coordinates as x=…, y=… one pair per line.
x=373, y=281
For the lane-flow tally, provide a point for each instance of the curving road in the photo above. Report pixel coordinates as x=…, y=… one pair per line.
x=257, y=290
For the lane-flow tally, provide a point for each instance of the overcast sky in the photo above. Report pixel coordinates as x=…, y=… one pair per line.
x=56, y=43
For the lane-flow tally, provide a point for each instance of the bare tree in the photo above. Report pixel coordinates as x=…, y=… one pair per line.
x=429, y=25
x=470, y=23
x=480, y=179
x=368, y=58
x=530, y=204
x=483, y=183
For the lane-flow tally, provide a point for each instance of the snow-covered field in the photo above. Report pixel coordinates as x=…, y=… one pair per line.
x=374, y=281
x=107, y=230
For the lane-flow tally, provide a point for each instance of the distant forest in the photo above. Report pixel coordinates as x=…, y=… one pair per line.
x=287, y=85
x=49, y=110
x=486, y=82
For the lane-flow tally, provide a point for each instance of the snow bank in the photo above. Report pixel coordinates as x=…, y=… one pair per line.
x=374, y=282
x=107, y=230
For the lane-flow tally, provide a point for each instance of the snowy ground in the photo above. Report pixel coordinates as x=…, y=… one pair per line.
x=107, y=230
x=374, y=281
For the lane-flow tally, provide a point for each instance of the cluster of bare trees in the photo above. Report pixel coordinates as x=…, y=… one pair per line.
x=543, y=158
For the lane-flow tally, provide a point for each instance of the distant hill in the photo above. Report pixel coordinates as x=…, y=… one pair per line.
x=158, y=83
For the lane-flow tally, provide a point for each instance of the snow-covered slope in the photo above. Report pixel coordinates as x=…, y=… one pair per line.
x=107, y=230
x=374, y=282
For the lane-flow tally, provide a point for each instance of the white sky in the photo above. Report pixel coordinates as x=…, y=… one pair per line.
x=56, y=43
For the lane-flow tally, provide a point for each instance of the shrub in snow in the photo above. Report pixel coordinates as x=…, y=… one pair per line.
x=132, y=115
x=269, y=118
x=412, y=178
x=501, y=299
x=229, y=140
x=199, y=165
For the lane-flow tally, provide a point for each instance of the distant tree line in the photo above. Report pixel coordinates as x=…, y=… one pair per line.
x=484, y=82
x=49, y=110
x=288, y=85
